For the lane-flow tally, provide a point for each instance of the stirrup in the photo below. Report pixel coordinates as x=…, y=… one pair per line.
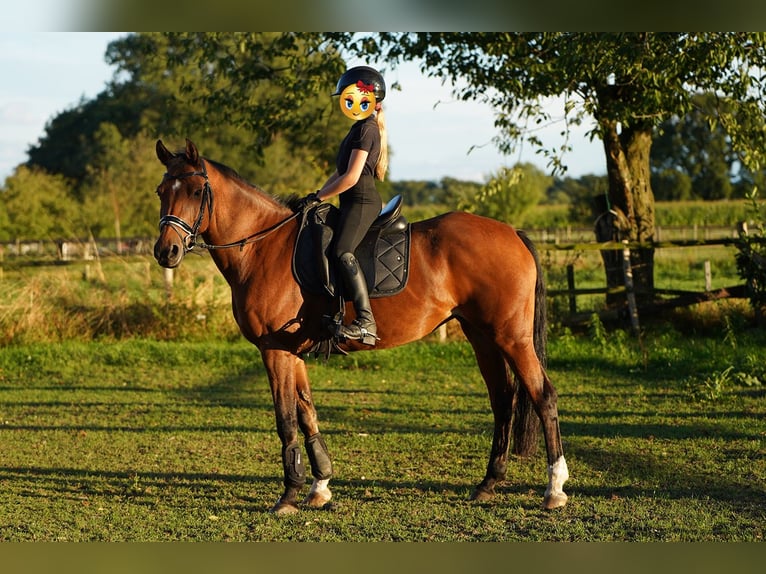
x=356, y=332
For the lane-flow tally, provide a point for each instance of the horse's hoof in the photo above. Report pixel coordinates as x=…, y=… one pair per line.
x=554, y=501
x=284, y=508
x=481, y=495
x=317, y=499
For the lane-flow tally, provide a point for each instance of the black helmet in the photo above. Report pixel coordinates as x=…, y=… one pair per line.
x=369, y=76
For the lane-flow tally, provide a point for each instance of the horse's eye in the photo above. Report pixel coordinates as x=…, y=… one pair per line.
x=197, y=192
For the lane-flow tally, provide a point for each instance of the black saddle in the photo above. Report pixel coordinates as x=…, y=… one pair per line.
x=383, y=255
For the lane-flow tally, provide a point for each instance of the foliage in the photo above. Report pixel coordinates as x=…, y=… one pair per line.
x=509, y=194
x=255, y=85
x=251, y=98
x=259, y=103
x=613, y=77
x=670, y=184
x=624, y=83
x=688, y=145
x=579, y=194
x=118, y=190
x=751, y=256
x=36, y=205
x=67, y=145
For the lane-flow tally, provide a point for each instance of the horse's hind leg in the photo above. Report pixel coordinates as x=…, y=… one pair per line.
x=495, y=372
x=544, y=399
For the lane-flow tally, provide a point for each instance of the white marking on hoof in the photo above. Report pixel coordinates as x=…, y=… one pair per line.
x=558, y=473
x=319, y=495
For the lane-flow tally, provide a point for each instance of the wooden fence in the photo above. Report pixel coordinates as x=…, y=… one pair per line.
x=680, y=297
x=567, y=238
x=545, y=240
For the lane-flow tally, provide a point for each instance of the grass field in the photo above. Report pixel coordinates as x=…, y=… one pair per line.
x=131, y=411
x=158, y=440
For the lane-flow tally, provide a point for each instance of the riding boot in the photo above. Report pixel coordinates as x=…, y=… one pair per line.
x=363, y=327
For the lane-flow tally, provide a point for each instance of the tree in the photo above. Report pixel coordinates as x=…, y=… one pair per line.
x=118, y=192
x=688, y=145
x=241, y=93
x=67, y=145
x=580, y=194
x=671, y=184
x=625, y=83
x=35, y=206
x=510, y=193
x=258, y=102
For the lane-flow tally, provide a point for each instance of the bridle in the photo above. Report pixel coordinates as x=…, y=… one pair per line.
x=191, y=240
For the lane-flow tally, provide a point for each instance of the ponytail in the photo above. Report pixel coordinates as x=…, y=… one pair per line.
x=382, y=166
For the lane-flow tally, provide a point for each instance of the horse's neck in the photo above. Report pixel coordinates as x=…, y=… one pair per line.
x=239, y=212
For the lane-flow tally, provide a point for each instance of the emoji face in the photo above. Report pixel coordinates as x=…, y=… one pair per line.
x=356, y=102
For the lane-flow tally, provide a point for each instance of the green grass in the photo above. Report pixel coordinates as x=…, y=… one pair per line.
x=160, y=440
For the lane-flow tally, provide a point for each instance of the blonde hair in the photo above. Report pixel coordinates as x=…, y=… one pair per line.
x=382, y=166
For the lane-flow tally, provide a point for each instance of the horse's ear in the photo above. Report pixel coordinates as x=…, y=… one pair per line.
x=192, y=155
x=163, y=153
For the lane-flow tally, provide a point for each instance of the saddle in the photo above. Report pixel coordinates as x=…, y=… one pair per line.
x=383, y=254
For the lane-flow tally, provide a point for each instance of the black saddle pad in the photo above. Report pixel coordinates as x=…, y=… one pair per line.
x=383, y=255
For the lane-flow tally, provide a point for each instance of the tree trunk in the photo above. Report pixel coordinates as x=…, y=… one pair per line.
x=627, y=213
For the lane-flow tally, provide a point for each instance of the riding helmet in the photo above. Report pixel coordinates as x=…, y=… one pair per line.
x=370, y=77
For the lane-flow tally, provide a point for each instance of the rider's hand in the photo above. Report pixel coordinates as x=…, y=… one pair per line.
x=305, y=203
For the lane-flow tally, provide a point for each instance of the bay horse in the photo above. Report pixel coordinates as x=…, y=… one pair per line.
x=477, y=270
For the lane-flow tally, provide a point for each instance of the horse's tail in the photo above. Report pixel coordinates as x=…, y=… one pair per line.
x=526, y=423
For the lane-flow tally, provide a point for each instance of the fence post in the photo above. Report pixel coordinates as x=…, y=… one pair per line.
x=628, y=271
x=708, y=277
x=167, y=274
x=571, y=287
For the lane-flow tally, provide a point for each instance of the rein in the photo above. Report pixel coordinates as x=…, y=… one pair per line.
x=191, y=240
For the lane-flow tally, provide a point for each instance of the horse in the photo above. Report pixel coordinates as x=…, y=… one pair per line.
x=476, y=270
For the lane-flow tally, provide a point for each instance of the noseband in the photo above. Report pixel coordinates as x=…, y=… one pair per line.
x=189, y=240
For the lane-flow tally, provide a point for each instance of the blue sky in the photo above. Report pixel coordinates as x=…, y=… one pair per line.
x=431, y=133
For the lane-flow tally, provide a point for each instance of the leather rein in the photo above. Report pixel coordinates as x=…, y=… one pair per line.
x=191, y=240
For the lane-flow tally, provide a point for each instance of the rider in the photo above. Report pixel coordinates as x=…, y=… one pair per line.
x=363, y=156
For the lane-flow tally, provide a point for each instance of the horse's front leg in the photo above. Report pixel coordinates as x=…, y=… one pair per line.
x=281, y=369
x=294, y=409
x=319, y=456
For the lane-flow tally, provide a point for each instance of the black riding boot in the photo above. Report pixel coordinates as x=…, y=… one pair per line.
x=363, y=327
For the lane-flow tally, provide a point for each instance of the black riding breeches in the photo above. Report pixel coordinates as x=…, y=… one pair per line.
x=357, y=212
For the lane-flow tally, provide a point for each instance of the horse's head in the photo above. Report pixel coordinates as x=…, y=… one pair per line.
x=185, y=197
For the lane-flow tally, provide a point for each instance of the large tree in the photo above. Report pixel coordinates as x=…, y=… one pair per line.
x=689, y=146
x=240, y=93
x=625, y=84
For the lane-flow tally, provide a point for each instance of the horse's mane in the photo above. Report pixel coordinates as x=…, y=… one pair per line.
x=231, y=173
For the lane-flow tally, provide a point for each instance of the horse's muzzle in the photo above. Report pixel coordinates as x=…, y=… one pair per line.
x=168, y=253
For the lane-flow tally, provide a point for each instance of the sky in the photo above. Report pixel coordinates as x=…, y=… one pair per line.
x=431, y=134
